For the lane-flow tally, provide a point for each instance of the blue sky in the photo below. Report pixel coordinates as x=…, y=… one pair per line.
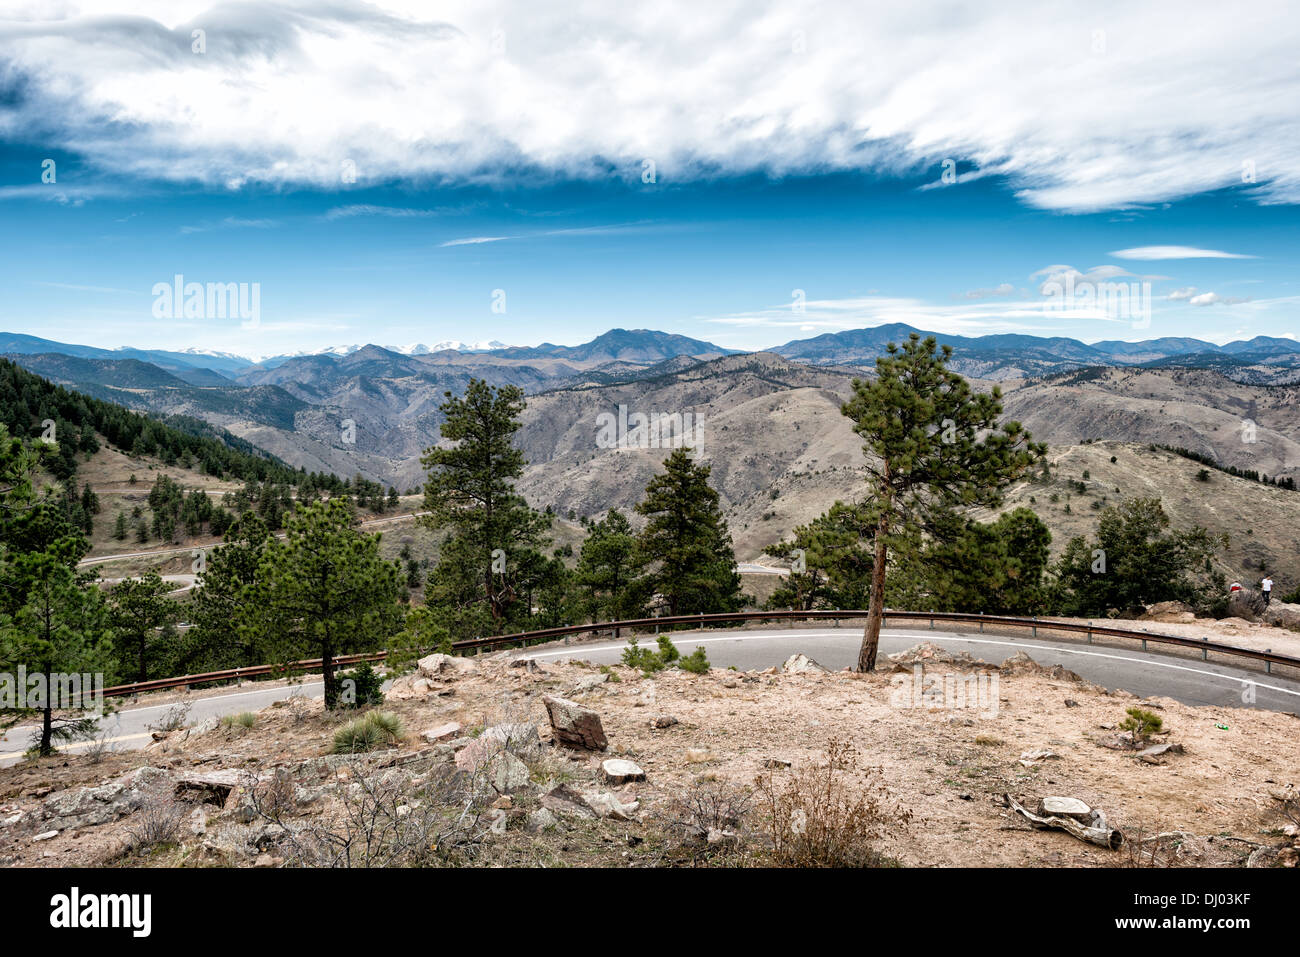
x=552, y=208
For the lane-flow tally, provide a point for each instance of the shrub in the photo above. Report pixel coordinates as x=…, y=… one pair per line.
x=1142, y=723
x=650, y=662
x=697, y=662
x=815, y=819
x=361, y=687
x=373, y=730
x=243, y=721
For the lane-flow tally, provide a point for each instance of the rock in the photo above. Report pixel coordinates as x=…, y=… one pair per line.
x=928, y=653
x=439, y=666
x=529, y=665
x=1245, y=603
x=722, y=838
x=214, y=787
x=45, y=836
x=698, y=755
x=588, y=682
x=619, y=771
x=507, y=773
x=799, y=664
x=206, y=725
x=540, y=820
x=776, y=764
x=1152, y=754
x=1064, y=807
x=607, y=805
x=1030, y=758
x=563, y=799
x=661, y=721
x=503, y=803
x=89, y=806
x=1172, y=611
x=443, y=732
x=520, y=738
x=1071, y=703
x=497, y=820
x=575, y=726
x=1280, y=614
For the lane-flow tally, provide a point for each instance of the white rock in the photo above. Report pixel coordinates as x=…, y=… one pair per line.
x=619, y=771
x=45, y=836
x=801, y=664
x=444, y=732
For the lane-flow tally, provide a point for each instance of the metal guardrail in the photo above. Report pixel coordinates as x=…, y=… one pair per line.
x=525, y=638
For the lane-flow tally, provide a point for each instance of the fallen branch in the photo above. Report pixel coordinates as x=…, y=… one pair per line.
x=1095, y=831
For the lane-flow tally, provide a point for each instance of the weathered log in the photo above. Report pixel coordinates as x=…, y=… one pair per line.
x=1095, y=833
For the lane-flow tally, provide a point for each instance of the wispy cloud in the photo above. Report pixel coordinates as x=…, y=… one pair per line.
x=475, y=240
x=1175, y=252
x=1111, y=120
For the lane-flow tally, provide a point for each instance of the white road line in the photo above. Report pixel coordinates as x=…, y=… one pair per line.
x=930, y=635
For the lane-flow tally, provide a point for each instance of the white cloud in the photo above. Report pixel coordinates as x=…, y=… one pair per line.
x=288, y=93
x=1214, y=299
x=1181, y=294
x=1175, y=252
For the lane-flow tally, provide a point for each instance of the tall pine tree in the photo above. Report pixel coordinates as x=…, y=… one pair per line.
x=685, y=542
x=932, y=445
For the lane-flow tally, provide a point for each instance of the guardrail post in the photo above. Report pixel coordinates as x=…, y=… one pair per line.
x=1268, y=665
x=981, y=623
x=1034, y=629
x=932, y=619
x=1144, y=644
x=1205, y=652
x=1089, y=632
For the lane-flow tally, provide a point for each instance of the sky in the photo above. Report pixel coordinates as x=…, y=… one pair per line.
x=744, y=173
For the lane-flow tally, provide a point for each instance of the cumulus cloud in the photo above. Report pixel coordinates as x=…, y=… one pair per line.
x=1080, y=107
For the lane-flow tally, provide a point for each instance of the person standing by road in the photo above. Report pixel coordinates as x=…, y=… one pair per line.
x=1266, y=586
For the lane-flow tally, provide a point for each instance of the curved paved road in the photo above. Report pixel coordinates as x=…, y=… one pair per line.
x=1143, y=673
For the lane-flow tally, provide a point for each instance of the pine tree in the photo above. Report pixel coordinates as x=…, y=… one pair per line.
x=119, y=527
x=837, y=559
x=491, y=557
x=607, y=572
x=686, y=542
x=51, y=618
x=225, y=584
x=932, y=445
x=142, y=617
x=322, y=591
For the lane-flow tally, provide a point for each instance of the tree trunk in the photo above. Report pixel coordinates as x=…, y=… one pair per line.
x=327, y=672
x=47, y=729
x=876, y=609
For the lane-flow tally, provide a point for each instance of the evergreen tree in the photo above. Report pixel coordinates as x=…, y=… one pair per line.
x=143, y=617
x=216, y=641
x=119, y=527
x=932, y=445
x=1135, y=561
x=51, y=617
x=322, y=591
x=837, y=559
x=685, y=542
x=607, y=572
x=493, y=548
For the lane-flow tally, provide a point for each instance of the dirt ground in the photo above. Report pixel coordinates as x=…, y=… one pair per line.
x=947, y=766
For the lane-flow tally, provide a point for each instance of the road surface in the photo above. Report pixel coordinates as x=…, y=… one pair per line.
x=1143, y=673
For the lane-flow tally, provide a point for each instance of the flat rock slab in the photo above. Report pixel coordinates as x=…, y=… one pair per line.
x=801, y=664
x=1064, y=807
x=619, y=771
x=443, y=732
x=440, y=665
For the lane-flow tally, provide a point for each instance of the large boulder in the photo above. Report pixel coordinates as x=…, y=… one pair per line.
x=574, y=725
x=928, y=653
x=1170, y=611
x=445, y=666
x=1245, y=603
x=1282, y=615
